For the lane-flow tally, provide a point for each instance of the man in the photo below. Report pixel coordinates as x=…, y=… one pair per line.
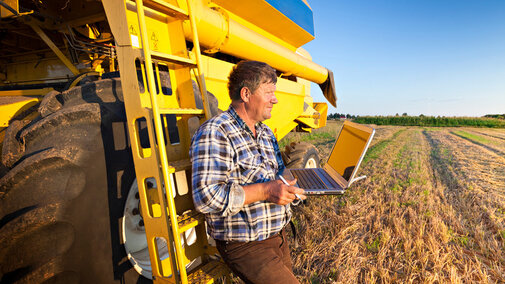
x=236, y=163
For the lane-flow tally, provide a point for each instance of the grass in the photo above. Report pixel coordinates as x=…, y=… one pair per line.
x=471, y=136
x=374, y=151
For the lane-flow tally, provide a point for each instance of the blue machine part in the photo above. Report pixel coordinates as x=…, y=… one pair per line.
x=297, y=11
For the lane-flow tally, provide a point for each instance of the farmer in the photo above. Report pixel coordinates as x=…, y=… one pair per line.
x=236, y=161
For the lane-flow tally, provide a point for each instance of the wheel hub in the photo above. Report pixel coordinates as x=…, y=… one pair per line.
x=311, y=163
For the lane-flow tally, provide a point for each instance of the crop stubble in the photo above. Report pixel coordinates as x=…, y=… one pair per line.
x=432, y=210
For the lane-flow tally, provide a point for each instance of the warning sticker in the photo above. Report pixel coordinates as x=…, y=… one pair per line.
x=135, y=41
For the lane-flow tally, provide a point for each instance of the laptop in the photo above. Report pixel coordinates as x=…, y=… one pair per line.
x=339, y=172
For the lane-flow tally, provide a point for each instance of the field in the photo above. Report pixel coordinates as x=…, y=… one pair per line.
x=431, y=210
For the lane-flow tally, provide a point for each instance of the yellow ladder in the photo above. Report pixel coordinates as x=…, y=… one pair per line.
x=149, y=36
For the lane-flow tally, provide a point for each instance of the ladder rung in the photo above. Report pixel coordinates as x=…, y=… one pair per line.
x=173, y=59
x=189, y=220
x=166, y=8
x=182, y=111
x=208, y=272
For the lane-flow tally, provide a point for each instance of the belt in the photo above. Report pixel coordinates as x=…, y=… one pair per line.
x=222, y=242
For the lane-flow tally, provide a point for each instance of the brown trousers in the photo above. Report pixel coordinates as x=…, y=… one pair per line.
x=260, y=262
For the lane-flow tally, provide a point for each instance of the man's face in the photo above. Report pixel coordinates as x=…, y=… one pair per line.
x=261, y=102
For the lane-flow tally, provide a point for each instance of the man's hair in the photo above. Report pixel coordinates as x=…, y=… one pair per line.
x=250, y=74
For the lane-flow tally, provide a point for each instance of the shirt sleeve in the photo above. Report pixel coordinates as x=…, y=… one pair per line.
x=212, y=158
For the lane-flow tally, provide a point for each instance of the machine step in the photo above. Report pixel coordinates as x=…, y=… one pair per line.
x=189, y=220
x=182, y=111
x=209, y=272
x=170, y=58
x=167, y=8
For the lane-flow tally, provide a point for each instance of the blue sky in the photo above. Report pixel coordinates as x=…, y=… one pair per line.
x=419, y=57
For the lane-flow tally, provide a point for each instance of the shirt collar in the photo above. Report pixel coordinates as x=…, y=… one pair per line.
x=260, y=126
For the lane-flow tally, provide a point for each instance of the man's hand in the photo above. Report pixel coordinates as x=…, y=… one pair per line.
x=279, y=193
x=274, y=191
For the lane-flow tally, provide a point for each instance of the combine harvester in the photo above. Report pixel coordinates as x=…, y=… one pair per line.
x=98, y=103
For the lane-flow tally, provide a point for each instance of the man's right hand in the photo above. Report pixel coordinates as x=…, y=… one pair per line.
x=279, y=193
x=274, y=191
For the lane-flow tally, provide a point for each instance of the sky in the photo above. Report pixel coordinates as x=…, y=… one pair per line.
x=444, y=57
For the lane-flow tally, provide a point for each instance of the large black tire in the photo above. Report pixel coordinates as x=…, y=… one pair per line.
x=62, y=199
x=301, y=155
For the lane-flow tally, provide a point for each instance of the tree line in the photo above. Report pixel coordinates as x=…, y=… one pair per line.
x=499, y=116
x=432, y=121
x=340, y=116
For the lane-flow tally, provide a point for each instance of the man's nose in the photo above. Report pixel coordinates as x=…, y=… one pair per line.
x=274, y=99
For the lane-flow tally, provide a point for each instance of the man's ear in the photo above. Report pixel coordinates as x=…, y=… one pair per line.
x=245, y=93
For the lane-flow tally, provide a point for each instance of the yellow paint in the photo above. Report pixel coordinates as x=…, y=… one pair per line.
x=12, y=109
x=34, y=71
x=34, y=92
x=322, y=109
x=14, y=4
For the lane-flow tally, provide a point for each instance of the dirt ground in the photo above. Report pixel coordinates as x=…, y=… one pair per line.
x=431, y=210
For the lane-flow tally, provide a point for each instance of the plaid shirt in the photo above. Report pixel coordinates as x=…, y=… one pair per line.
x=226, y=156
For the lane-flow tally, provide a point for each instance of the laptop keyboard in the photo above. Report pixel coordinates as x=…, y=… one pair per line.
x=308, y=179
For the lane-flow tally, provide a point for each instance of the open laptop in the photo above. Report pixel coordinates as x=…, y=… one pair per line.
x=340, y=170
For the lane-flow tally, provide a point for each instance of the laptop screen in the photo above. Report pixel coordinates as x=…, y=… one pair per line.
x=348, y=148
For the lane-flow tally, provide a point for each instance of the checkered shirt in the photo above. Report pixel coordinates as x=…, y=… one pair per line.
x=226, y=156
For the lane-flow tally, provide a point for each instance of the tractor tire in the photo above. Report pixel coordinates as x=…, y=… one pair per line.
x=301, y=155
x=63, y=196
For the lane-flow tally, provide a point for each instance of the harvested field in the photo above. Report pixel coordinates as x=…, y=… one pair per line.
x=431, y=210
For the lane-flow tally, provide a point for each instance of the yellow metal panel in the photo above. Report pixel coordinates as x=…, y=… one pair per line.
x=314, y=116
x=282, y=132
x=290, y=96
x=157, y=28
x=114, y=11
x=4, y=12
x=34, y=92
x=216, y=77
x=322, y=108
x=33, y=70
x=13, y=106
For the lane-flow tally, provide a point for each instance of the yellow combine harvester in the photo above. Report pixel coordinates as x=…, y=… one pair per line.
x=98, y=102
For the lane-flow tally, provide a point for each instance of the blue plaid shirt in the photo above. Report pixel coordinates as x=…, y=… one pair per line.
x=226, y=156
